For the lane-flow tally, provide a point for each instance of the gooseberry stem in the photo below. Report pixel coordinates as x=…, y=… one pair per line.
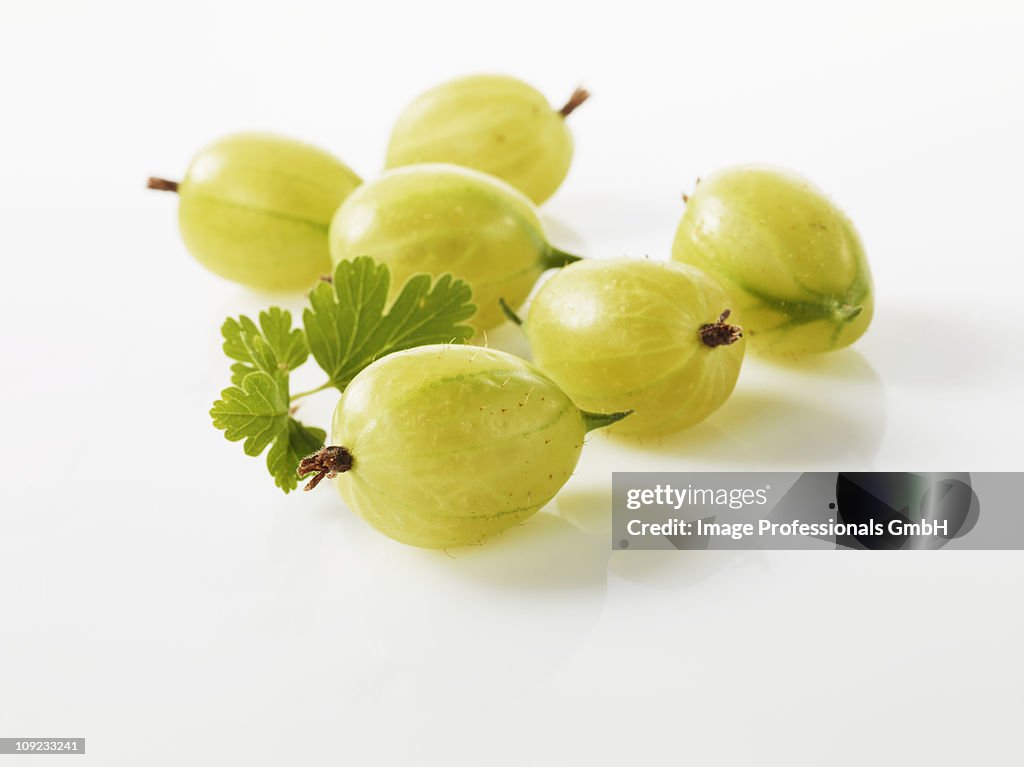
x=593, y=421
x=326, y=463
x=509, y=312
x=720, y=333
x=161, y=184
x=306, y=393
x=556, y=259
x=575, y=100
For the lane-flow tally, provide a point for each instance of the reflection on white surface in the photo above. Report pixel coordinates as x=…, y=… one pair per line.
x=938, y=346
x=536, y=591
x=827, y=412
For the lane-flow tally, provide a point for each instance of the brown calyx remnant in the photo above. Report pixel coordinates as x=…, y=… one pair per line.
x=162, y=184
x=575, y=100
x=720, y=333
x=325, y=464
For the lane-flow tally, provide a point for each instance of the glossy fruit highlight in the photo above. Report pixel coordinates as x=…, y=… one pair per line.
x=789, y=257
x=493, y=123
x=439, y=218
x=446, y=445
x=652, y=337
x=255, y=209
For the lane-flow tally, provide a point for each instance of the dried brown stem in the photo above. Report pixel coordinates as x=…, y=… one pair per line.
x=161, y=184
x=720, y=333
x=325, y=464
x=575, y=100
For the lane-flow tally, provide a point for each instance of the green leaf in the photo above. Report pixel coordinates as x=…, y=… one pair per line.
x=291, y=446
x=256, y=411
x=347, y=327
x=273, y=347
x=239, y=371
x=289, y=344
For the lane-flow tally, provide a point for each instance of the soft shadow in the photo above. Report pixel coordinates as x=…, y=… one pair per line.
x=813, y=412
x=546, y=553
x=939, y=347
x=590, y=511
x=780, y=431
x=845, y=364
x=505, y=615
x=706, y=446
x=768, y=430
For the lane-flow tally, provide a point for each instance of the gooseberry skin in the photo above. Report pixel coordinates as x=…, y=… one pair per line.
x=790, y=258
x=624, y=334
x=439, y=218
x=452, y=444
x=492, y=123
x=255, y=209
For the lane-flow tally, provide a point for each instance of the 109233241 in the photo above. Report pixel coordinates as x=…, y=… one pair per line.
x=42, y=745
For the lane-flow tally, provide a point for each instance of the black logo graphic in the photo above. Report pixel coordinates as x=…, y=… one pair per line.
x=904, y=510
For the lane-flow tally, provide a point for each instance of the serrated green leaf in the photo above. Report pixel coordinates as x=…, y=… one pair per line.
x=289, y=344
x=239, y=371
x=347, y=328
x=256, y=411
x=291, y=446
x=273, y=347
x=233, y=331
x=263, y=358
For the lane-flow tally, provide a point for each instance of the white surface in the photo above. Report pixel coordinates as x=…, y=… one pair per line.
x=161, y=598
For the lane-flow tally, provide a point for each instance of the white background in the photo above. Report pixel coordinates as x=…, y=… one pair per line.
x=161, y=598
